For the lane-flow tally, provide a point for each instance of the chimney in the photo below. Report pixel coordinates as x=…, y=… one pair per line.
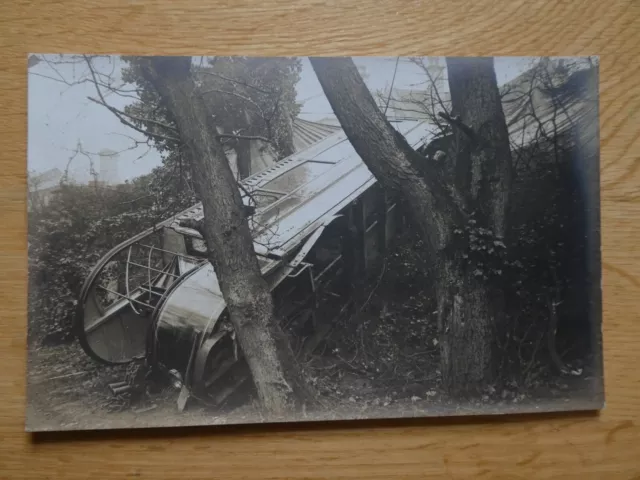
x=108, y=167
x=436, y=70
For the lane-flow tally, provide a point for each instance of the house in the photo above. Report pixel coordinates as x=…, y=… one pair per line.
x=42, y=186
x=529, y=106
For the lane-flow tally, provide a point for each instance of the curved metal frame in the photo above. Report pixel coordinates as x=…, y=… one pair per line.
x=126, y=281
x=202, y=356
x=78, y=325
x=151, y=354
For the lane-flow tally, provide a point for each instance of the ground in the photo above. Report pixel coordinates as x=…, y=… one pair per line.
x=67, y=392
x=379, y=361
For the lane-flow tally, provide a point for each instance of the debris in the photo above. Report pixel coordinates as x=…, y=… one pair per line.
x=183, y=398
x=122, y=389
x=74, y=374
x=146, y=409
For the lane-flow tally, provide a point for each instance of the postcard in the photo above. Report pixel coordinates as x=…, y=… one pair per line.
x=226, y=240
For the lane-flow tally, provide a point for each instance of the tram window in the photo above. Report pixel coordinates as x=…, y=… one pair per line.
x=298, y=176
x=373, y=204
x=262, y=199
x=199, y=246
x=330, y=245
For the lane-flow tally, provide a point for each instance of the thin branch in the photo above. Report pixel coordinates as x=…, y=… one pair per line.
x=391, y=88
x=117, y=90
x=246, y=99
x=135, y=199
x=432, y=81
x=123, y=120
x=247, y=192
x=232, y=80
x=134, y=117
x=244, y=137
x=120, y=114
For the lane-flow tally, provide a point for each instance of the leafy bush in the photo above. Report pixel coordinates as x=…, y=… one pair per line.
x=78, y=226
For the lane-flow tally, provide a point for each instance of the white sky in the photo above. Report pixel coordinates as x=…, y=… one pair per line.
x=60, y=115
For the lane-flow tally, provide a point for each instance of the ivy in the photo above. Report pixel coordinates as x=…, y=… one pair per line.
x=80, y=224
x=479, y=250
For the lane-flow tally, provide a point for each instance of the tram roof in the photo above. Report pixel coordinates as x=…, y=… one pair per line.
x=300, y=192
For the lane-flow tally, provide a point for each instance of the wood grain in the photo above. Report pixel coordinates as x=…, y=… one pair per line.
x=562, y=446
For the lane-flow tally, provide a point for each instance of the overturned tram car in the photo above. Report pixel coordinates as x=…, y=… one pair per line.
x=320, y=220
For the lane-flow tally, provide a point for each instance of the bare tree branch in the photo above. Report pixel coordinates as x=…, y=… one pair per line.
x=246, y=99
x=134, y=117
x=119, y=114
x=136, y=199
x=232, y=80
x=106, y=83
x=244, y=137
x=393, y=80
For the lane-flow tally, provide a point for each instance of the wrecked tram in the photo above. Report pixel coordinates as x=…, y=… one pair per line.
x=320, y=218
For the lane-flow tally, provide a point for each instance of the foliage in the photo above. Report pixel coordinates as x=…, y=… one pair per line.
x=263, y=104
x=247, y=96
x=81, y=223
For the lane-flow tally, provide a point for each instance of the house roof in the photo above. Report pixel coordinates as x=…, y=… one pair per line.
x=527, y=103
x=45, y=180
x=306, y=133
x=533, y=106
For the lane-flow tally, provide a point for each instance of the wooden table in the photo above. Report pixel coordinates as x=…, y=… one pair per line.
x=562, y=446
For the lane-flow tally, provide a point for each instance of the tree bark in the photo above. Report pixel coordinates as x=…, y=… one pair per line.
x=483, y=175
x=230, y=245
x=465, y=326
x=441, y=203
x=483, y=159
x=385, y=151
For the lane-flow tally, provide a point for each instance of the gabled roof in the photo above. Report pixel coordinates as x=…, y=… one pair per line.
x=306, y=133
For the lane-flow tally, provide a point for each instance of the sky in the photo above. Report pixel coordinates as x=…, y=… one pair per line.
x=60, y=115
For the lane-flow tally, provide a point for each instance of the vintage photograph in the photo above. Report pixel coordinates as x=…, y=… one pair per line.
x=232, y=240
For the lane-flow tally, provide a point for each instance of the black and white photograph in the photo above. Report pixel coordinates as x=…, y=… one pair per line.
x=246, y=240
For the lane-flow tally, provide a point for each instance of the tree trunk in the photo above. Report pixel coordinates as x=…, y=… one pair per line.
x=483, y=176
x=465, y=330
x=387, y=154
x=230, y=245
x=477, y=176
x=483, y=159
